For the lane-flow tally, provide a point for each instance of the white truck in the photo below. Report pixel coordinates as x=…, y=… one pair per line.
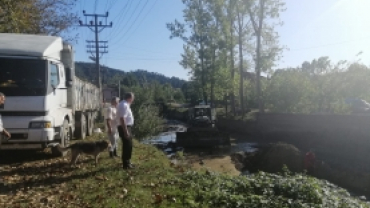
x=45, y=102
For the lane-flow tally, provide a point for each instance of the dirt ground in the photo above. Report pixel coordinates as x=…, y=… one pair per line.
x=221, y=164
x=219, y=160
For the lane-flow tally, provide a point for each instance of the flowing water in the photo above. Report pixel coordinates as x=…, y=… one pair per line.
x=166, y=141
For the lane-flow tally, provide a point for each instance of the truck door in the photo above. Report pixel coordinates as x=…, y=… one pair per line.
x=56, y=99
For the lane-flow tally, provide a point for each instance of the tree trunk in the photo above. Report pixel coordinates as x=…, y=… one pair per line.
x=258, y=53
x=232, y=67
x=213, y=77
x=241, y=88
x=203, y=74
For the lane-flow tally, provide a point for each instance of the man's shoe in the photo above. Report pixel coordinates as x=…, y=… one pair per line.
x=129, y=166
x=129, y=162
x=115, y=153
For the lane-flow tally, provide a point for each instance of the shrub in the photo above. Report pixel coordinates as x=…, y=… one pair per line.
x=147, y=122
x=261, y=190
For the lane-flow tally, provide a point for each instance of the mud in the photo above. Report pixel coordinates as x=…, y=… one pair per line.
x=215, y=159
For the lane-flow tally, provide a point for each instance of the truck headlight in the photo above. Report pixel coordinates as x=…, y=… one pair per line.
x=40, y=125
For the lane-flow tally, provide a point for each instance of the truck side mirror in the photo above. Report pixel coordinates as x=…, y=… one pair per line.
x=69, y=79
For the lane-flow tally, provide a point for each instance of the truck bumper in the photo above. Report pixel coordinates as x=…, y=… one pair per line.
x=28, y=139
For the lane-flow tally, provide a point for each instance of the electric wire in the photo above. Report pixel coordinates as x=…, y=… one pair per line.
x=142, y=20
x=113, y=3
x=95, y=6
x=127, y=22
x=121, y=16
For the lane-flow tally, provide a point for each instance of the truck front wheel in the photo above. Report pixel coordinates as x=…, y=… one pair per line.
x=65, y=137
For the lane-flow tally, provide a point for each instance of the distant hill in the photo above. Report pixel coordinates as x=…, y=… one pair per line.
x=86, y=71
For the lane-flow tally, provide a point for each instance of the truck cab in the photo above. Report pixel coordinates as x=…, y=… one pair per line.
x=42, y=96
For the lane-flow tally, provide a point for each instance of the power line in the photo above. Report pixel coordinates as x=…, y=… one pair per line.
x=141, y=59
x=142, y=20
x=146, y=55
x=121, y=15
x=137, y=6
x=106, y=5
x=137, y=17
x=96, y=4
x=142, y=49
x=80, y=3
x=113, y=3
x=84, y=2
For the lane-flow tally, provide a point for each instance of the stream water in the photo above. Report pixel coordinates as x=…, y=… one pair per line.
x=166, y=141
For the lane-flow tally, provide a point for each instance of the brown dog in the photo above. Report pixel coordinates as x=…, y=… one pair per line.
x=89, y=148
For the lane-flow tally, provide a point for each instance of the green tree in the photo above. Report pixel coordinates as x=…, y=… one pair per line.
x=196, y=20
x=52, y=17
x=263, y=14
x=178, y=96
x=147, y=120
x=290, y=92
x=230, y=39
x=319, y=86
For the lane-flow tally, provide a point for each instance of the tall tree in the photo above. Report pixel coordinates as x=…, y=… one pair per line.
x=196, y=20
x=51, y=17
x=216, y=44
x=230, y=11
x=242, y=29
x=263, y=14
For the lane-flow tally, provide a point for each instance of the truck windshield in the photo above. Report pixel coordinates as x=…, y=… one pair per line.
x=22, y=77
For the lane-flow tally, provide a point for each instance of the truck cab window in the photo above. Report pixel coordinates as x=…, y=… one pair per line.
x=54, y=75
x=22, y=77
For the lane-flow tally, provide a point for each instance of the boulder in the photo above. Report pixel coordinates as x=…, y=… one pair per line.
x=273, y=157
x=238, y=157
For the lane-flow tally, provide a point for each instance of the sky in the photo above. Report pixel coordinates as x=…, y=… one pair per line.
x=139, y=38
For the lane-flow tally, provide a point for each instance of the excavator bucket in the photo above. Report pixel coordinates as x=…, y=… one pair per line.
x=202, y=138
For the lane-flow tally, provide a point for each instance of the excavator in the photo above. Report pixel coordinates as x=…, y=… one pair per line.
x=201, y=131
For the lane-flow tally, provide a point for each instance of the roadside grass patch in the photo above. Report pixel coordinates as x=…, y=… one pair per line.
x=156, y=182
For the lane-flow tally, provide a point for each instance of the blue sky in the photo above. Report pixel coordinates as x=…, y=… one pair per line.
x=139, y=38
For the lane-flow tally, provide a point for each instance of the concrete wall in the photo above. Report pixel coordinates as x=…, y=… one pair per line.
x=306, y=130
x=345, y=134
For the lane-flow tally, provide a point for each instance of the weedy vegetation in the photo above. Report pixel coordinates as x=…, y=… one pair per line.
x=156, y=182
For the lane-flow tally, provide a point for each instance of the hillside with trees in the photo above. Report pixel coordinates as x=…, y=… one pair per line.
x=162, y=88
x=109, y=76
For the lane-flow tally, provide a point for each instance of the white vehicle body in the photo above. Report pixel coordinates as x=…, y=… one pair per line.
x=45, y=102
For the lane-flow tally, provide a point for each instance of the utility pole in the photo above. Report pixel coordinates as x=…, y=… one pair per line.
x=92, y=47
x=97, y=26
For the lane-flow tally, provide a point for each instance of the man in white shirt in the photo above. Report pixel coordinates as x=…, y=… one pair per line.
x=125, y=122
x=111, y=126
x=2, y=130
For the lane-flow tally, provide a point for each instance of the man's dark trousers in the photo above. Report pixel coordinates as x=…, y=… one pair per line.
x=126, y=146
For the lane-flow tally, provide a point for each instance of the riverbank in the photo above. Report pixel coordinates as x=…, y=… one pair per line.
x=155, y=182
x=218, y=160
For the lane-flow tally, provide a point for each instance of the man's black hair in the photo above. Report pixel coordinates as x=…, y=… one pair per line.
x=128, y=95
